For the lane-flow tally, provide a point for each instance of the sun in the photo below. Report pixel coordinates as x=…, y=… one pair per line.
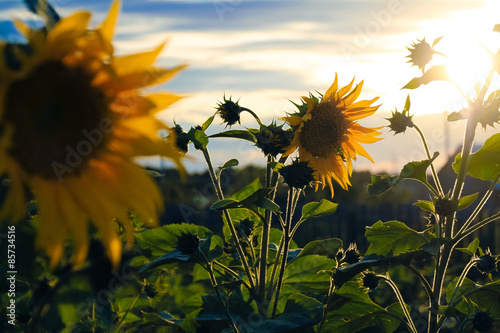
x=467, y=60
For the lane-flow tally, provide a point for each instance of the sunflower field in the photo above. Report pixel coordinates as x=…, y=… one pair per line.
x=89, y=243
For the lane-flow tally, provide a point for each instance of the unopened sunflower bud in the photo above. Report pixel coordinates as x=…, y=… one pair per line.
x=187, y=243
x=483, y=322
x=181, y=139
x=420, y=54
x=229, y=111
x=370, y=281
x=352, y=255
x=246, y=227
x=487, y=263
x=400, y=121
x=445, y=206
x=298, y=174
x=273, y=140
x=150, y=290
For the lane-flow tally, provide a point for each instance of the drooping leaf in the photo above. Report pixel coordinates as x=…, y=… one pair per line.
x=237, y=134
x=381, y=183
x=316, y=209
x=198, y=137
x=171, y=257
x=417, y=170
x=485, y=163
x=162, y=318
x=393, y=238
x=425, y=205
x=324, y=247
x=413, y=170
x=435, y=73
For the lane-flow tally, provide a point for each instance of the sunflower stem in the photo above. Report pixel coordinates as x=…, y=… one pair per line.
x=428, y=153
x=395, y=288
x=292, y=193
x=229, y=221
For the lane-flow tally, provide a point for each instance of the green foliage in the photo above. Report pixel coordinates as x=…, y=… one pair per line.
x=435, y=73
x=485, y=163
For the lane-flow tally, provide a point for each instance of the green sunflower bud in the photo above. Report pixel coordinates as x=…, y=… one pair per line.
x=273, y=140
x=352, y=255
x=246, y=227
x=445, y=206
x=400, y=121
x=298, y=174
x=229, y=111
x=483, y=322
x=187, y=243
x=487, y=263
x=182, y=139
x=370, y=281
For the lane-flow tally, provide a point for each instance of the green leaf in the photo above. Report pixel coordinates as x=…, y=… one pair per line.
x=171, y=257
x=392, y=238
x=381, y=183
x=407, y=104
x=352, y=309
x=247, y=190
x=162, y=318
x=435, y=73
x=207, y=123
x=164, y=239
x=485, y=297
x=198, y=137
x=301, y=275
x=315, y=209
x=225, y=204
x=324, y=247
x=485, y=163
x=229, y=164
x=425, y=205
x=436, y=41
x=459, y=115
x=472, y=248
x=417, y=170
x=466, y=201
x=237, y=134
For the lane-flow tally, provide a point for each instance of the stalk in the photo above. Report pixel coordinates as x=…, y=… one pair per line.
x=394, y=287
x=428, y=153
x=230, y=223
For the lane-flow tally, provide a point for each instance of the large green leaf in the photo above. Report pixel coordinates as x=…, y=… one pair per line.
x=316, y=209
x=435, y=73
x=302, y=274
x=381, y=183
x=485, y=298
x=392, y=238
x=485, y=163
x=324, y=247
x=352, y=309
x=164, y=239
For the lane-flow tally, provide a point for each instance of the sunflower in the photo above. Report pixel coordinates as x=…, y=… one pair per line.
x=327, y=134
x=72, y=121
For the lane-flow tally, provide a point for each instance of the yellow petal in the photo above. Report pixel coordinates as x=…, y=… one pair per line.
x=62, y=37
x=333, y=88
x=22, y=27
x=108, y=25
x=135, y=62
x=150, y=77
x=344, y=90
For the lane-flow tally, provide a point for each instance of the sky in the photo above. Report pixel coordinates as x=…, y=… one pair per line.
x=268, y=54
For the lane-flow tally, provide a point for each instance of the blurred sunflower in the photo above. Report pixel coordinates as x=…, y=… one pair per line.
x=327, y=134
x=72, y=119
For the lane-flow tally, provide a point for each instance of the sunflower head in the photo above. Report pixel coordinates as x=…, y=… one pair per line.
x=352, y=254
x=445, y=206
x=421, y=54
x=327, y=135
x=188, y=243
x=229, y=111
x=273, y=139
x=298, y=174
x=73, y=117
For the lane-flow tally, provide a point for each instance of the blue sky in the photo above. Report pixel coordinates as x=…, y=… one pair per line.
x=269, y=52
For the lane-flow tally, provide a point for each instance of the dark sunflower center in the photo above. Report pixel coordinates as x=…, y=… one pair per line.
x=323, y=134
x=59, y=119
